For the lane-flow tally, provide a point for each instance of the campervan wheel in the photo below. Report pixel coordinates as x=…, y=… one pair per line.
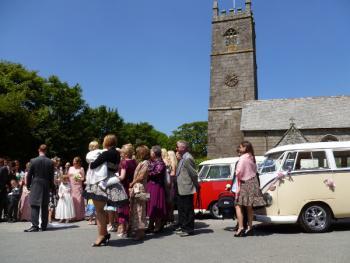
x=316, y=218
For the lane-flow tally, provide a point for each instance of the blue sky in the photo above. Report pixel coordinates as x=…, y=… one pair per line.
x=151, y=59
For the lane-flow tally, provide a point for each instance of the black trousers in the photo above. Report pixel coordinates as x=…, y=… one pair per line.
x=3, y=204
x=13, y=209
x=186, y=212
x=44, y=215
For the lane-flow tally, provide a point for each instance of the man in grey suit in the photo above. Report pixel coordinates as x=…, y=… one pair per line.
x=40, y=180
x=187, y=186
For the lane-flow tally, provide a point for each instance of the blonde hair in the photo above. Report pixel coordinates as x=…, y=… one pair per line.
x=128, y=150
x=110, y=141
x=164, y=154
x=172, y=158
x=93, y=145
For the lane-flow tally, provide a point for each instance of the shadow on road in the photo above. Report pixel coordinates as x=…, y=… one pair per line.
x=61, y=227
x=265, y=229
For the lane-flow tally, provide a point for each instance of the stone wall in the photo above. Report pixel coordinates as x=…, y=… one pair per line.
x=224, y=133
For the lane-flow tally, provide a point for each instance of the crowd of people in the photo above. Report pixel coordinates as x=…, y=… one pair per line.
x=14, y=190
x=128, y=191
x=124, y=190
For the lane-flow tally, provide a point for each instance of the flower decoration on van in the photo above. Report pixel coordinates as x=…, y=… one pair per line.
x=330, y=183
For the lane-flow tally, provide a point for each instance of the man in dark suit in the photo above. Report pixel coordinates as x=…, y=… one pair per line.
x=3, y=191
x=40, y=180
x=187, y=185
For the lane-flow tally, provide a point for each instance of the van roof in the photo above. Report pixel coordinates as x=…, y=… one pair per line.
x=221, y=161
x=306, y=146
x=228, y=160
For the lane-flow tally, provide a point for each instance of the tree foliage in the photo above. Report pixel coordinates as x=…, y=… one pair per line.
x=196, y=133
x=143, y=133
x=35, y=110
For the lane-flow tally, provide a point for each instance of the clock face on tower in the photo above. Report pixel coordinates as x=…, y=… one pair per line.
x=231, y=80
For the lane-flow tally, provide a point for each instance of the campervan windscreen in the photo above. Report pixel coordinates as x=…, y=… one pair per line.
x=203, y=171
x=271, y=163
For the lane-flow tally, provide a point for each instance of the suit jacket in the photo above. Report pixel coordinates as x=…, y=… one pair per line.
x=4, y=178
x=187, y=176
x=40, y=179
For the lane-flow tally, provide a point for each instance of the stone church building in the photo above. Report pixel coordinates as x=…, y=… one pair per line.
x=236, y=114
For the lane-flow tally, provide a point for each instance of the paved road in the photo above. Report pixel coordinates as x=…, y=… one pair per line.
x=213, y=242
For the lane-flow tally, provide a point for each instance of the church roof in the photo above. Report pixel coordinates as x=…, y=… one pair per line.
x=292, y=136
x=306, y=113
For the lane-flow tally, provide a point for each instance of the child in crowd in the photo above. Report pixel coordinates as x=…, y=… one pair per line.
x=90, y=212
x=52, y=205
x=13, y=199
x=65, y=207
x=98, y=175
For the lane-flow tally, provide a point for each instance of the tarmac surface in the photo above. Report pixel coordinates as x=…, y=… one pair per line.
x=213, y=242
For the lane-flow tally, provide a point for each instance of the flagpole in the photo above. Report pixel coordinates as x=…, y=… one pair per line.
x=234, y=4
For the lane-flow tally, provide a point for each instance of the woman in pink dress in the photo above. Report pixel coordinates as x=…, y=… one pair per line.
x=248, y=194
x=24, y=206
x=76, y=176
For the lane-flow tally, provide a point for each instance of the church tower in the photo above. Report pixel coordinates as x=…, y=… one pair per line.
x=233, y=77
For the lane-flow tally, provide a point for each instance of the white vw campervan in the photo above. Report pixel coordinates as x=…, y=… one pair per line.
x=307, y=184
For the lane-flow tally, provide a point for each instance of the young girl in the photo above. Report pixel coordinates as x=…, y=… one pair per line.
x=90, y=212
x=65, y=207
x=99, y=174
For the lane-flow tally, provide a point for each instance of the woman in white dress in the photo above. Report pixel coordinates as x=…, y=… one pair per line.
x=65, y=206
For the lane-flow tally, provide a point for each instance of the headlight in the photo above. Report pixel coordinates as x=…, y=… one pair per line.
x=268, y=199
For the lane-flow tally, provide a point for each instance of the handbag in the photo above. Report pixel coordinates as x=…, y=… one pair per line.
x=234, y=187
x=139, y=192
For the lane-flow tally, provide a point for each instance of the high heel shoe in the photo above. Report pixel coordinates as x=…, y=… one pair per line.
x=103, y=242
x=249, y=232
x=241, y=233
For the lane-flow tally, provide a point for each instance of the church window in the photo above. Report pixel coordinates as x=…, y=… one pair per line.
x=329, y=138
x=231, y=37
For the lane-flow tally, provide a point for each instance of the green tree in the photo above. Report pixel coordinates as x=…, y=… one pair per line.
x=101, y=121
x=36, y=110
x=18, y=88
x=196, y=134
x=143, y=133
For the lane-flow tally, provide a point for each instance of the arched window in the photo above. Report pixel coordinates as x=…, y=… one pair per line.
x=231, y=37
x=329, y=138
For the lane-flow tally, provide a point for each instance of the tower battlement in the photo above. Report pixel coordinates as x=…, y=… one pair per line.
x=219, y=14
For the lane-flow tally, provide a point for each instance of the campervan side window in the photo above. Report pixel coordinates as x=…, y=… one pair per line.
x=289, y=162
x=219, y=172
x=342, y=159
x=312, y=160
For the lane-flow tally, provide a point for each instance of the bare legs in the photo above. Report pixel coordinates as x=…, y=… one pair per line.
x=239, y=215
x=250, y=214
x=101, y=220
x=111, y=220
